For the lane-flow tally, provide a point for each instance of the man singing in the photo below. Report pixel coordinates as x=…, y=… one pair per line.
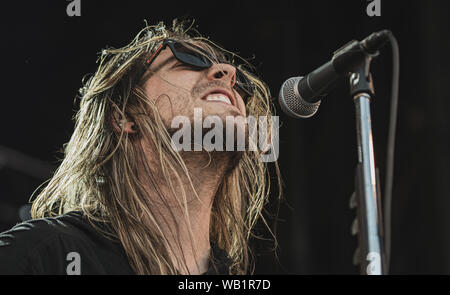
x=124, y=200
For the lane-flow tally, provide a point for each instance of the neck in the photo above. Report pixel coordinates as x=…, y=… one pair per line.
x=187, y=229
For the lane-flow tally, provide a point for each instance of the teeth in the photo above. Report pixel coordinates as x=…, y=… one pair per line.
x=218, y=97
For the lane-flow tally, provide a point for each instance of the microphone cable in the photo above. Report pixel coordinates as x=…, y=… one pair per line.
x=389, y=177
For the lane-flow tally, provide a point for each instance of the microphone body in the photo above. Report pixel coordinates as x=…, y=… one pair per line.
x=300, y=96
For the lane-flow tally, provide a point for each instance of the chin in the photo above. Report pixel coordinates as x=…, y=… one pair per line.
x=223, y=130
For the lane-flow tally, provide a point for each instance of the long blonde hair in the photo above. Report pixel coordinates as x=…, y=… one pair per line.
x=99, y=172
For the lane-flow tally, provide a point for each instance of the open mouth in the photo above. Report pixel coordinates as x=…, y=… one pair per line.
x=219, y=96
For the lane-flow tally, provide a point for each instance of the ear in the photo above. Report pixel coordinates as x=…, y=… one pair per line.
x=120, y=122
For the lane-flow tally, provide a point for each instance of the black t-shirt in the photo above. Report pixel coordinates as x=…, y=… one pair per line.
x=69, y=244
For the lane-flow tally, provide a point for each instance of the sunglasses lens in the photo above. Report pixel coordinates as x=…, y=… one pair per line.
x=190, y=56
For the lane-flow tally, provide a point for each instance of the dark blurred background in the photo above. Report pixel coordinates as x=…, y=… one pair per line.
x=45, y=53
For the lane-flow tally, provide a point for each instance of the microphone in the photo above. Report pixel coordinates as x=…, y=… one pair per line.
x=300, y=96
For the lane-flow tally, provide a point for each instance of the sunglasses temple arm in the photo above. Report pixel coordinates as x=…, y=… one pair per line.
x=151, y=58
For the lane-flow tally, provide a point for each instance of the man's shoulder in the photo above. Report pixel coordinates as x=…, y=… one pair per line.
x=51, y=245
x=33, y=241
x=33, y=232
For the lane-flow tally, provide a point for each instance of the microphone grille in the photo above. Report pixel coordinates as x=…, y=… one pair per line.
x=292, y=103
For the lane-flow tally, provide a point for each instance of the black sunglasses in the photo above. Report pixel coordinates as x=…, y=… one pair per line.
x=198, y=59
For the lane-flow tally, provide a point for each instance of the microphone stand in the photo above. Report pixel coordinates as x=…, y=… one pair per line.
x=371, y=250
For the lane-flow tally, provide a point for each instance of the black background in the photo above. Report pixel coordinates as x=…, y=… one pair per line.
x=45, y=54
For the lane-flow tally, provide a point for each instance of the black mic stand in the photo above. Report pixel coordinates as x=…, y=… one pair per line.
x=371, y=250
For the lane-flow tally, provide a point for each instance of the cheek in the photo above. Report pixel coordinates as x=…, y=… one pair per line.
x=241, y=106
x=171, y=100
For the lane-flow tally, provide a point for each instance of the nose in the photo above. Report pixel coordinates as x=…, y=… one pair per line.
x=224, y=72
